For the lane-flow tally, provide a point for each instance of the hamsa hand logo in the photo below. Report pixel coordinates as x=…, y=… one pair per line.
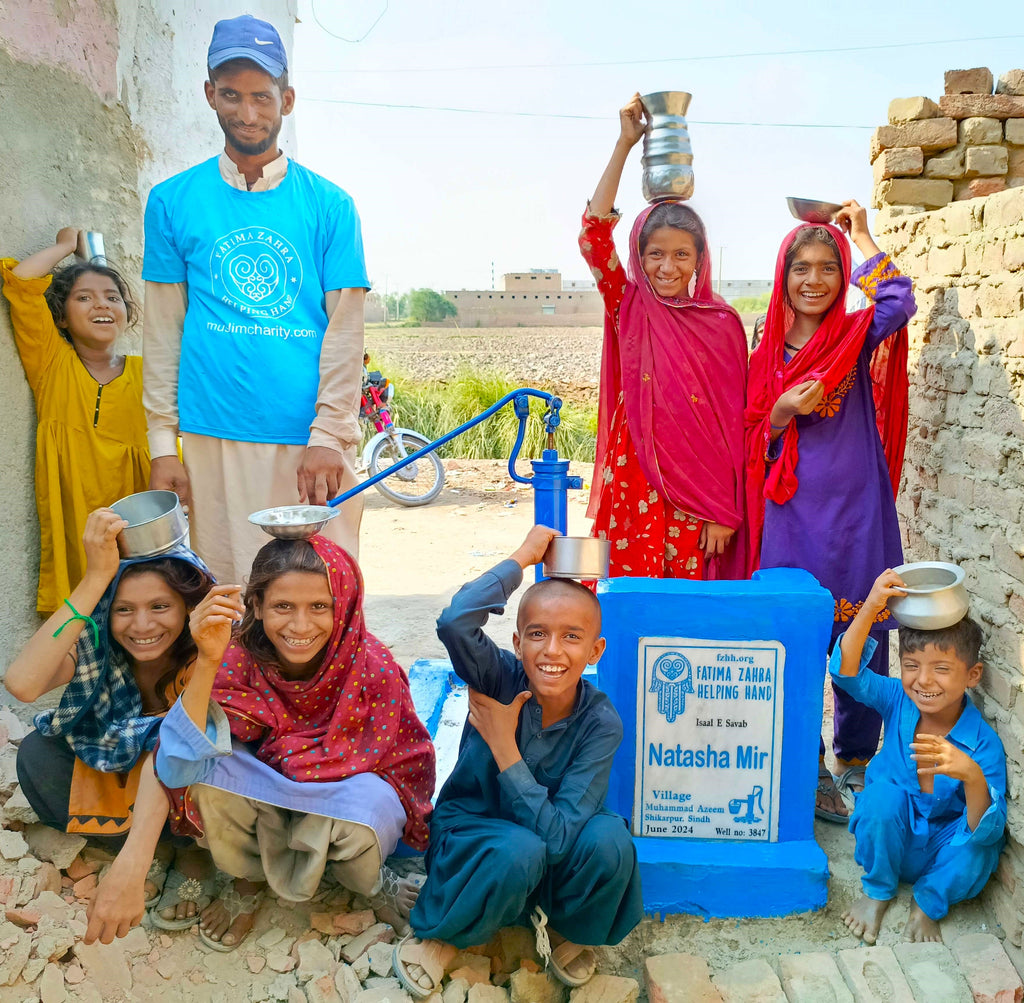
x=671, y=679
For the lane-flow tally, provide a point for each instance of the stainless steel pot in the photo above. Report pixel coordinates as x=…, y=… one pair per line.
x=293, y=522
x=668, y=157
x=577, y=557
x=156, y=523
x=90, y=247
x=936, y=596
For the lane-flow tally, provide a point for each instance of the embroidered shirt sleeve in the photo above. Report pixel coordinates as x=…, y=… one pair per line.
x=892, y=293
x=597, y=245
x=873, y=273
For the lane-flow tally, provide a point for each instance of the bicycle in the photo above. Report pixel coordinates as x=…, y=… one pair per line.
x=415, y=484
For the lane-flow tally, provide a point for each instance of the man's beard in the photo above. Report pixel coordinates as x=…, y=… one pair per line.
x=250, y=149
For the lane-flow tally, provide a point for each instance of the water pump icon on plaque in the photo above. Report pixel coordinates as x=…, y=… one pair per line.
x=709, y=738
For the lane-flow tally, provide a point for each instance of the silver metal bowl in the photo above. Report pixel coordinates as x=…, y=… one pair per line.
x=813, y=211
x=935, y=597
x=583, y=557
x=293, y=522
x=156, y=523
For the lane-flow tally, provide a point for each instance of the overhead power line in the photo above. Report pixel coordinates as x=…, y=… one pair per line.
x=391, y=69
x=588, y=118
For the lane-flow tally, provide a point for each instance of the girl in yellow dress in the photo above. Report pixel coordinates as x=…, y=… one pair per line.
x=91, y=446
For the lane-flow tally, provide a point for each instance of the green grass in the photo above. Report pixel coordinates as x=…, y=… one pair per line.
x=436, y=407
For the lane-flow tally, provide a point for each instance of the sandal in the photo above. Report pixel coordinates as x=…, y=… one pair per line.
x=827, y=786
x=852, y=780
x=559, y=959
x=564, y=955
x=433, y=956
x=390, y=891
x=157, y=874
x=235, y=905
x=177, y=889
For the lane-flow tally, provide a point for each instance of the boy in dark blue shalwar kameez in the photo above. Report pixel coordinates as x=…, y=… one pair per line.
x=521, y=821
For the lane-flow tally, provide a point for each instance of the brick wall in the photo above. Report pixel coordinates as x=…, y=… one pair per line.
x=963, y=488
x=969, y=144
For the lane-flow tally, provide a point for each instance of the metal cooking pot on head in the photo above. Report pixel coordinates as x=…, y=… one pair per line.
x=583, y=557
x=935, y=596
x=156, y=523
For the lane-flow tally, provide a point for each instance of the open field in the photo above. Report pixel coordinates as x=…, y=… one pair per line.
x=563, y=360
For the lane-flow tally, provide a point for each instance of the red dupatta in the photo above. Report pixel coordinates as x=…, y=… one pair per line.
x=828, y=356
x=680, y=366
x=355, y=715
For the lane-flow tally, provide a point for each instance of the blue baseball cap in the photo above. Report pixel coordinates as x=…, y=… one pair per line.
x=247, y=37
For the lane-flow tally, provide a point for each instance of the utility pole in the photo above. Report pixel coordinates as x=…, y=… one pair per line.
x=721, y=248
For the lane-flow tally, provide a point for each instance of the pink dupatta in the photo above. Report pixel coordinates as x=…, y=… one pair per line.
x=681, y=367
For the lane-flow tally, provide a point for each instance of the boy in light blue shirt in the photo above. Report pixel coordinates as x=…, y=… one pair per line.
x=933, y=808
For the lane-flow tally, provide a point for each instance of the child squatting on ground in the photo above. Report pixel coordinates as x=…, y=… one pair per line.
x=520, y=826
x=933, y=808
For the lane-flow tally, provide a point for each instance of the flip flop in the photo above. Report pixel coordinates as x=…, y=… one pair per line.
x=433, y=956
x=177, y=889
x=157, y=876
x=235, y=905
x=559, y=959
x=564, y=955
x=827, y=785
x=852, y=780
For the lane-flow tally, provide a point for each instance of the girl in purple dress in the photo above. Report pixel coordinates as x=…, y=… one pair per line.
x=827, y=419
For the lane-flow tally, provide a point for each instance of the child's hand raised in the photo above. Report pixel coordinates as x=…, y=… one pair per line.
x=211, y=621
x=67, y=238
x=934, y=754
x=100, y=541
x=886, y=585
x=853, y=220
x=531, y=550
x=632, y=121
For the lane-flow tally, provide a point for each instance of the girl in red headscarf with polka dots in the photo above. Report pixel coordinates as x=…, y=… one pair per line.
x=295, y=747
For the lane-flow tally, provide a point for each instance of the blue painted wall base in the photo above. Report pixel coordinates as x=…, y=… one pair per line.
x=718, y=878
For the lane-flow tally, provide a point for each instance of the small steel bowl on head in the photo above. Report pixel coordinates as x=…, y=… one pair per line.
x=293, y=522
x=582, y=557
x=812, y=210
x=936, y=596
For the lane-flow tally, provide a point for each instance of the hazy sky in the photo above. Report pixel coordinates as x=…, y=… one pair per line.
x=442, y=194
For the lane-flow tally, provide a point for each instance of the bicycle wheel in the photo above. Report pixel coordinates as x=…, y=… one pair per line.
x=415, y=484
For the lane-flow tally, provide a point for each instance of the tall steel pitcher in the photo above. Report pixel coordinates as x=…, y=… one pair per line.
x=668, y=157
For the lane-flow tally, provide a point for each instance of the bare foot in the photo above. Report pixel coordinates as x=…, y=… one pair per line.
x=196, y=864
x=864, y=917
x=229, y=921
x=921, y=927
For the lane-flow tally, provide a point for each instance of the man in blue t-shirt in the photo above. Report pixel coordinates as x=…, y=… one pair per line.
x=253, y=325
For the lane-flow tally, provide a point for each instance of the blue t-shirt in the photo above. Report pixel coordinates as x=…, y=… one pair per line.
x=257, y=265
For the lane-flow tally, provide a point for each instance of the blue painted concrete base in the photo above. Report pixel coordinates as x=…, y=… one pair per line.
x=724, y=879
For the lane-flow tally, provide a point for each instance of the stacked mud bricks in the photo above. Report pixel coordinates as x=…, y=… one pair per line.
x=962, y=497
x=969, y=144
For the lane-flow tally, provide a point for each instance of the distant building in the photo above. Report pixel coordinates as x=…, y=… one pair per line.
x=536, y=298
x=734, y=288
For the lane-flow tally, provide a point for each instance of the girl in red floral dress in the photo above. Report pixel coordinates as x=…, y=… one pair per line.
x=669, y=474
